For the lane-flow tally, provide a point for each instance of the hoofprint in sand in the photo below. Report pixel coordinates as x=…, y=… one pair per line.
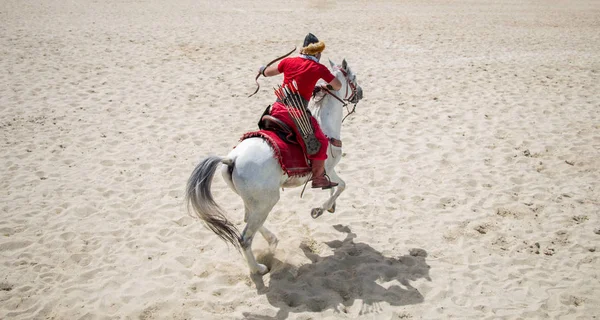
x=471, y=164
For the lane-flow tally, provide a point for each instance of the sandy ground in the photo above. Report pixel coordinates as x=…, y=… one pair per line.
x=472, y=163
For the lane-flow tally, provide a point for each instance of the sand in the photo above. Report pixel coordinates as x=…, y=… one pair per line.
x=472, y=163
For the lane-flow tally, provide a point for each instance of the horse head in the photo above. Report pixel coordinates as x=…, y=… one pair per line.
x=350, y=91
x=328, y=105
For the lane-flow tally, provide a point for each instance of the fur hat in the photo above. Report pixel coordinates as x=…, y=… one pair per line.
x=312, y=46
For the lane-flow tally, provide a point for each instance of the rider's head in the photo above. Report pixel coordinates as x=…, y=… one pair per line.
x=312, y=46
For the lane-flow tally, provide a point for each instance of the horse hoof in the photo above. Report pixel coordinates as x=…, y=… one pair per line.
x=316, y=212
x=332, y=210
x=262, y=269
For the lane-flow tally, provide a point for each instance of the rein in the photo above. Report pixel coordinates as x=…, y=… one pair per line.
x=268, y=64
x=343, y=101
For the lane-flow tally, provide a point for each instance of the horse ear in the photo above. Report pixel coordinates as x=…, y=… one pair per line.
x=331, y=63
x=344, y=65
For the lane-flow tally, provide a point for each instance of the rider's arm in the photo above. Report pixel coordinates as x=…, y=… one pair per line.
x=269, y=71
x=336, y=84
x=333, y=84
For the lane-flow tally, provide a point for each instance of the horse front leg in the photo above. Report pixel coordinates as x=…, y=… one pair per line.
x=329, y=205
x=335, y=192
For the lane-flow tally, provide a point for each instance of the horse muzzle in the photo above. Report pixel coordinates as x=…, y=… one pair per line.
x=357, y=96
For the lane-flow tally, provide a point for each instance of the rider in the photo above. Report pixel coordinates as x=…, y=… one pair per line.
x=306, y=71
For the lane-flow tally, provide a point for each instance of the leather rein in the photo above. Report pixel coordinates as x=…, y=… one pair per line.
x=353, y=91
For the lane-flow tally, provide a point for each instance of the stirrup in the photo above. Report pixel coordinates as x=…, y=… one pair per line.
x=323, y=186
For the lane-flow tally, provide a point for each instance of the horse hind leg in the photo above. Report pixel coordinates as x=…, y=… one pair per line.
x=255, y=217
x=270, y=237
x=256, y=176
x=246, y=243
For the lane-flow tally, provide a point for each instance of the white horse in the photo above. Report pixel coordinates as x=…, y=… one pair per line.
x=252, y=171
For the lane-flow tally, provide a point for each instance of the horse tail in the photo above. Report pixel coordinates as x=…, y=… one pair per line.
x=200, y=200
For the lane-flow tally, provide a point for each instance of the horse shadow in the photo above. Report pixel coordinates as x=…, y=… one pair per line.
x=355, y=271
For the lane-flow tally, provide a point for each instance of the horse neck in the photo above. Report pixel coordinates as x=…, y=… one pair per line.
x=329, y=112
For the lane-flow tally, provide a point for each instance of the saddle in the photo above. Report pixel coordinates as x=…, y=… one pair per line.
x=284, y=143
x=283, y=131
x=288, y=153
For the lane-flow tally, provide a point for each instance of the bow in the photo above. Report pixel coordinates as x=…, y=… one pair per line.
x=268, y=64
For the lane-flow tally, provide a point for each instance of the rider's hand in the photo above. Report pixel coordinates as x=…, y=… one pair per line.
x=316, y=90
x=261, y=70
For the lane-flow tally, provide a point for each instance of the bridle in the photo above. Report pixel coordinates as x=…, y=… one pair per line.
x=353, y=92
x=349, y=84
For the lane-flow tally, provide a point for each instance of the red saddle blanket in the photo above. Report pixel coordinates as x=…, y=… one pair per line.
x=290, y=156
